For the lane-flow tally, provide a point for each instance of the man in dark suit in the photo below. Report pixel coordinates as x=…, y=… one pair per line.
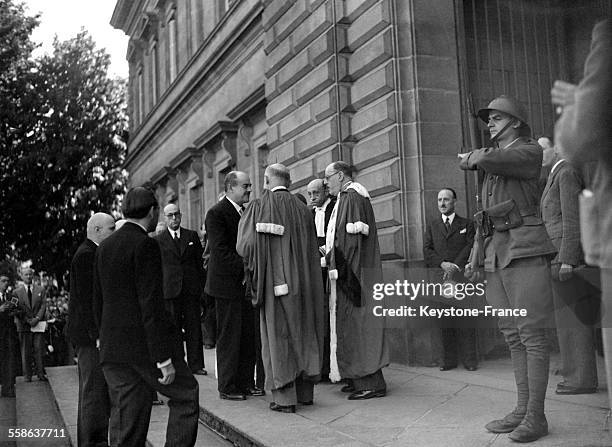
x=32, y=306
x=8, y=338
x=139, y=344
x=181, y=252
x=94, y=404
x=576, y=300
x=322, y=206
x=225, y=283
x=448, y=241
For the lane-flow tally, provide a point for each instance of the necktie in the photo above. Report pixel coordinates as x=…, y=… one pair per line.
x=240, y=210
x=447, y=225
x=30, y=295
x=177, y=240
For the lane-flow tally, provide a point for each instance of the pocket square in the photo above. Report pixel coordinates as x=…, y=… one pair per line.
x=190, y=243
x=463, y=231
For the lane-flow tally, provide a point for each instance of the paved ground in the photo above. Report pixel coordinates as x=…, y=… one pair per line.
x=424, y=407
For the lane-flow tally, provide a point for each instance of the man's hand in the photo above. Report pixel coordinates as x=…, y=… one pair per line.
x=565, y=272
x=449, y=268
x=5, y=306
x=563, y=94
x=33, y=321
x=168, y=373
x=472, y=273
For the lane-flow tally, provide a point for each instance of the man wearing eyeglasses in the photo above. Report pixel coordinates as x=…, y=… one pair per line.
x=353, y=256
x=183, y=273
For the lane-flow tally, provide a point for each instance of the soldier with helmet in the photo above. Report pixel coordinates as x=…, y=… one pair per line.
x=515, y=249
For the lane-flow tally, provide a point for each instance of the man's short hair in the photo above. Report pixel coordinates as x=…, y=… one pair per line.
x=343, y=167
x=451, y=190
x=231, y=179
x=281, y=172
x=137, y=203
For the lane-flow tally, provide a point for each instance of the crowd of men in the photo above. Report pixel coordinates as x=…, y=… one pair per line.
x=289, y=284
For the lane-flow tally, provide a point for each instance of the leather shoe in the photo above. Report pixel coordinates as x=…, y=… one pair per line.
x=348, y=389
x=507, y=424
x=446, y=367
x=562, y=388
x=282, y=408
x=255, y=392
x=200, y=372
x=531, y=428
x=367, y=394
x=43, y=378
x=232, y=396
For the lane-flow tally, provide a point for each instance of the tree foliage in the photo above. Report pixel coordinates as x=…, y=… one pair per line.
x=61, y=159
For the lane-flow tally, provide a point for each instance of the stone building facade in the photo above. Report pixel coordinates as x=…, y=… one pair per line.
x=386, y=85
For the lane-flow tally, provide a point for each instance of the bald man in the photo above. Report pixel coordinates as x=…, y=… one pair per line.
x=181, y=253
x=322, y=206
x=94, y=404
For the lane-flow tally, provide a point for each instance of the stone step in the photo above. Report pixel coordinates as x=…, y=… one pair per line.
x=65, y=389
x=36, y=409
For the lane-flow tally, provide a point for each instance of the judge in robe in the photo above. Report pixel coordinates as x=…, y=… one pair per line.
x=277, y=239
x=322, y=206
x=358, y=346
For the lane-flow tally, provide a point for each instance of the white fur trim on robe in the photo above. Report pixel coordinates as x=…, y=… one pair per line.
x=334, y=370
x=361, y=190
x=271, y=228
x=358, y=227
x=333, y=274
x=281, y=290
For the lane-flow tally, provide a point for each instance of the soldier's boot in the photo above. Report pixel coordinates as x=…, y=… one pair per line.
x=514, y=418
x=534, y=426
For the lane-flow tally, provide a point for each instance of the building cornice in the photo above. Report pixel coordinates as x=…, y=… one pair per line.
x=253, y=101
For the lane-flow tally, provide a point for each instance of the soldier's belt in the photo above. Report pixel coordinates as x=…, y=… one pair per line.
x=501, y=217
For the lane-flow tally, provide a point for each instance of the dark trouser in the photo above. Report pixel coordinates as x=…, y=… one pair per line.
x=326, y=353
x=130, y=393
x=94, y=403
x=185, y=311
x=576, y=307
x=459, y=343
x=235, y=347
x=300, y=390
x=7, y=359
x=525, y=284
x=26, y=341
x=209, y=323
x=374, y=381
x=260, y=373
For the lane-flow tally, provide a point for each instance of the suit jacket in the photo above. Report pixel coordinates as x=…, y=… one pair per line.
x=584, y=130
x=7, y=320
x=37, y=309
x=454, y=246
x=225, y=267
x=328, y=212
x=128, y=301
x=512, y=173
x=81, y=327
x=183, y=271
x=560, y=213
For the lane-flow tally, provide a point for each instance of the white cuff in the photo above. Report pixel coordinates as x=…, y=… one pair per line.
x=358, y=227
x=164, y=364
x=262, y=227
x=281, y=290
x=323, y=262
x=333, y=274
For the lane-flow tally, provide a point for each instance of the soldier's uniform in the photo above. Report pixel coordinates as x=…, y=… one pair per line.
x=517, y=260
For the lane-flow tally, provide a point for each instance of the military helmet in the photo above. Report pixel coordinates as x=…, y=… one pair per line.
x=505, y=104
